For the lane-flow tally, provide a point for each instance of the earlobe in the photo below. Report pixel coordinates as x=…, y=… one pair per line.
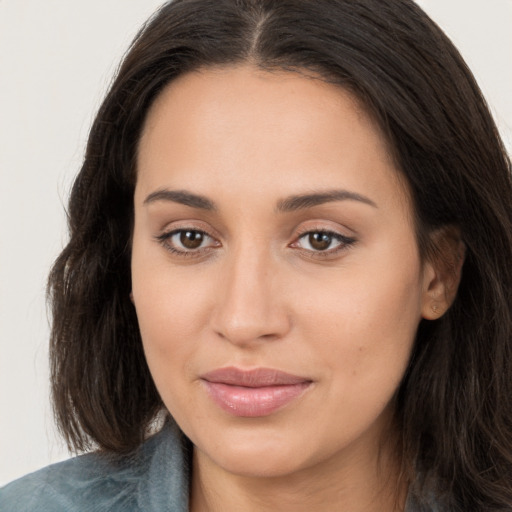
x=432, y=292
x=442, y=274
x=131, y=298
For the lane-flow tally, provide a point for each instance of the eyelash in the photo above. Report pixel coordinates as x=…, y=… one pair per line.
x=165, y=238
x=344, y=243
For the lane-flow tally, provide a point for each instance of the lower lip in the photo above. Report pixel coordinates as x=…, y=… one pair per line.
x=254, y=402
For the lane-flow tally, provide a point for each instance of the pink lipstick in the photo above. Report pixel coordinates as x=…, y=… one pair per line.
x=253, y=393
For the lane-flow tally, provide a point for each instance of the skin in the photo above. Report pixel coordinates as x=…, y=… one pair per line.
x=257, y=293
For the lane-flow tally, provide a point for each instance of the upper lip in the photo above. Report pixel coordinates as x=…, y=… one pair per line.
x=256, y=378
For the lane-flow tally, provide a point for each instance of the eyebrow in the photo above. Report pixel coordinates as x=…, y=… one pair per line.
x=304, y=201
x=289, y=204
x=181, y=197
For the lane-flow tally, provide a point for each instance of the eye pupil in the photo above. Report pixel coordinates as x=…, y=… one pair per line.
x=191, y=239
x=320, y=241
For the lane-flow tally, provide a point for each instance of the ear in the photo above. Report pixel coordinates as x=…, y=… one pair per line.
x=442, y=272
x=131, y=298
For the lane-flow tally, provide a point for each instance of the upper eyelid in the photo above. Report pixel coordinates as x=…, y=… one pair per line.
x=298, y=232
x=340, y=237
x=326, y=229
x=327, y=223
x=302, y=232
x=191, y=225
x=165, y=235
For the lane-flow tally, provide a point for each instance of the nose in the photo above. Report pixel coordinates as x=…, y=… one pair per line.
x=250, y=307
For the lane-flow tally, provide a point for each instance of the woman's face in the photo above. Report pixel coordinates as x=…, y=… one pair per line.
x=275, y=269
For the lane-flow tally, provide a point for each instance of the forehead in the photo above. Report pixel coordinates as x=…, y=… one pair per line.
x=220, y=124
x=214, y=94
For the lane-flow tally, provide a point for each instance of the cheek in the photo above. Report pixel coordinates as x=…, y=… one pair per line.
x=169, y=321
x=364, y=327
x=170, y=310
x=168, y=315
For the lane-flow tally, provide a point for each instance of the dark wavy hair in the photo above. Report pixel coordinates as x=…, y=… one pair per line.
x=454, y=406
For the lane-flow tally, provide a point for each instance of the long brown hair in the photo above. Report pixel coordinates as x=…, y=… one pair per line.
x=454, y=406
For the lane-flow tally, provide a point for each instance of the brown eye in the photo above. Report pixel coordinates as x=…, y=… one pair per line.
x=320, y=241
x=187, y=241
x=323, y=242
x=191, y=239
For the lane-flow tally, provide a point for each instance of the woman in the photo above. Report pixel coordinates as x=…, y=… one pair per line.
x=291, y=234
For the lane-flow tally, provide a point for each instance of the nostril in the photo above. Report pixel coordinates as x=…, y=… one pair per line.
x=252, y=331
x=269, y=337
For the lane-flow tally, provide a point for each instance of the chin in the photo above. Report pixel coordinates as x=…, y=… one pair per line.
x=261, y=457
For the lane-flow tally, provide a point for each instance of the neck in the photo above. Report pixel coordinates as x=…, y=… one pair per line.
x=357, y=486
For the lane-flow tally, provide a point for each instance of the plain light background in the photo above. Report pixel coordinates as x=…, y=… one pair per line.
x=57, y=58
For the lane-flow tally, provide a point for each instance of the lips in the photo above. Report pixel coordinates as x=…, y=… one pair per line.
x=253, y=393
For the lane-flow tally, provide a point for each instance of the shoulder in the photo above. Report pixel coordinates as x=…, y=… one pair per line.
x=63, y=486
x=154, y=478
